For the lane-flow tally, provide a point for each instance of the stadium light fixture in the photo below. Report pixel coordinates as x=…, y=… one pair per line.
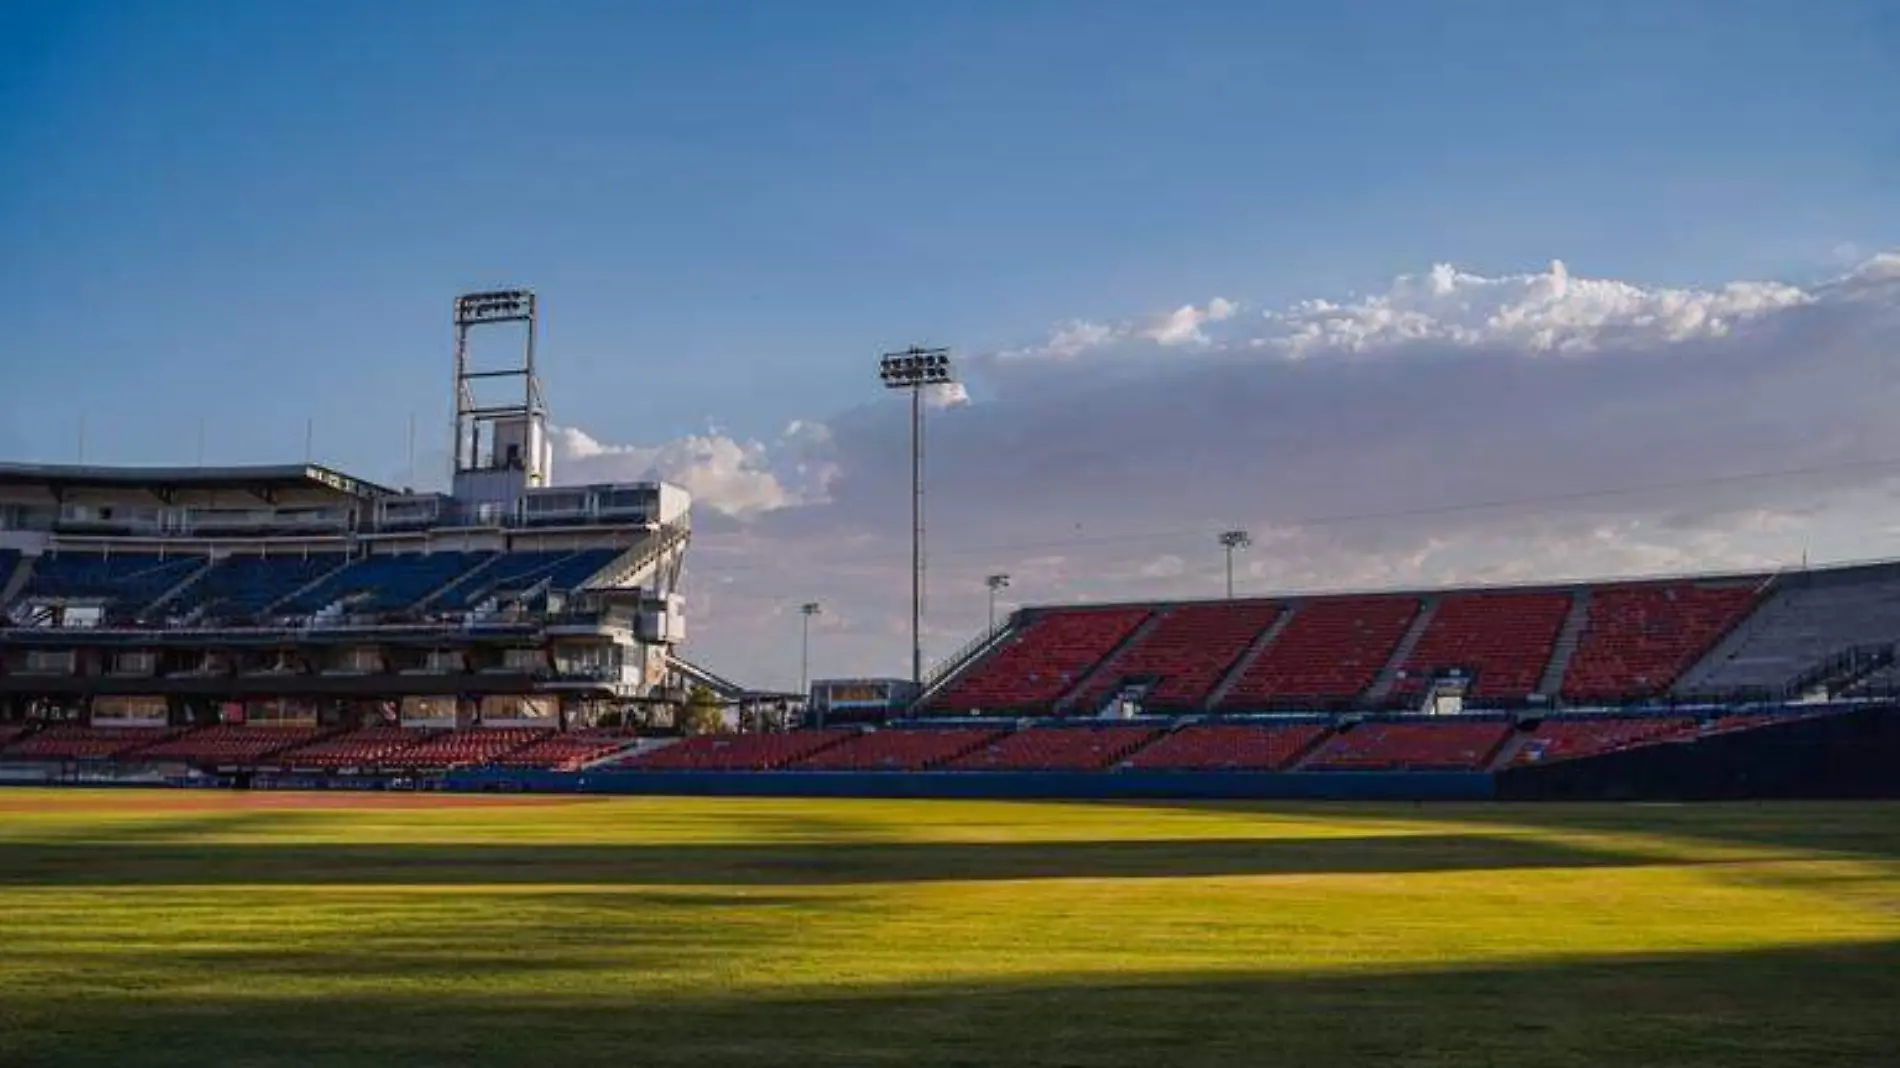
x=805, y=611
x=916, y=369
x=995, y=583
x=1231, y=540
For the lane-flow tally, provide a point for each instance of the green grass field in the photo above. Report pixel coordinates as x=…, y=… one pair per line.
x=176, y=928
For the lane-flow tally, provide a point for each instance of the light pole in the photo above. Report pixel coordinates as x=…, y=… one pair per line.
x=916, y=369
x=995, y=582
x=1229, y=541
x=806, y=611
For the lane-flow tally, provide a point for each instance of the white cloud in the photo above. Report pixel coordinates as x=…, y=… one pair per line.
x=1456, y=427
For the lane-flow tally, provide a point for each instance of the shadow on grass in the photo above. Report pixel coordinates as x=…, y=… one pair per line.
x=107, y=863
x=1767, y=1009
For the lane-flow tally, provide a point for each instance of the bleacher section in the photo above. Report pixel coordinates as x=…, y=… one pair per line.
x=244, y=586
x=1327, y=655
x=919, y=749
x=366, y=747
x=1805, y=621
x=469, y=748
x=1229, y=747
x=517, y=571
x=230, y=744
x=386, y=583
x=566, y=751
x=71, y=742
x=735, y=752
x=1043, y=662
x=1639, y=639
x=1563, y=739
x=1501, y=640
x=1056, y=749
x=1183, y=657
x=128, y=582
x=1448, y=745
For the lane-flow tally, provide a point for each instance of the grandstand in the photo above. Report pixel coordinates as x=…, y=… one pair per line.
x=230, y=616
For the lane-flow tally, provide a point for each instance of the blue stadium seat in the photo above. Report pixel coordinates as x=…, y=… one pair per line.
x=563, y=570
x=128, y=581
x=388, y=583
x=246, y=585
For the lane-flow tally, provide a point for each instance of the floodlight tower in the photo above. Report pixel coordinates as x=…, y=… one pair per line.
x=995, y=583
x=1229, y=541
x=518, y=454
x=806, y=610
x=916, y=369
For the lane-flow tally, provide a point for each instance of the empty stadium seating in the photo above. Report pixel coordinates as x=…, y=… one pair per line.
x=1328, y=654
x=565, y=751
x=1444, y=744
x=1185, y=655
x=72, y=742
x=1229, y=747
x=127, y=581
x=516, y=571
x=246, y=585
x=1044, y=661
x=1804, y=621
x=369, y=746
x=1578, y=736
x=465, y=749
x=1502, y=640
x=735, y=752
x=386, y=583
x=230, y=744
x=917, y=749
x=11, y=731
x=1640, y=638
x=1056, y=749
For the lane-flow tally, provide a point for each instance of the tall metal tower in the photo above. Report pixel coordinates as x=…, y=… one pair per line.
x=503, y=427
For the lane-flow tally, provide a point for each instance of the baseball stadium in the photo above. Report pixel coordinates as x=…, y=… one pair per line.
x=302, y=769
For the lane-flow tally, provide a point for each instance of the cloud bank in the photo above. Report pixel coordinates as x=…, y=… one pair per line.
x=1456, y=427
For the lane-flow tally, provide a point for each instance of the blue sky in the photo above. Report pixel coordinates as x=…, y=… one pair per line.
x=253, y=214
x=256, y=213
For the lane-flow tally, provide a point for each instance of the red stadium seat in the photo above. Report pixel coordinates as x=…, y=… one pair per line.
x=72, y=742
x=1043, y=661
x=1444, y=744
x=899, y=749
x=230, y=744
x=1640, y=638
x=1327, y=655
x=368, y=747
x=467, y=749
x=1056, y=749
x=1580, y=736
x=567, y=751
x=1229, y=747
x=1185, y=655
x=735, y=752
x=1502, y=640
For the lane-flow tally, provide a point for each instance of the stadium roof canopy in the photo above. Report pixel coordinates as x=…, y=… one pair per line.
x=166, y=480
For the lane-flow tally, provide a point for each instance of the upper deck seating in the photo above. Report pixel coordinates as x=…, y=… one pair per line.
x=367, y=746
x=74, y=742
x=1806, y=620
x=1055, y=749
x=918, y=749
x=1442, y=744
x=1185, y=655
x=514, y=571
x=243, y=586
x=1640, y=638
x=227, y=744
x=386, y=583
x=734, y=752
x=468, y=748
x=1043, y=661
x=1229, y=747
x=1327, y=655
x=1579, y=736
x=127, y=581
x=1503, y=642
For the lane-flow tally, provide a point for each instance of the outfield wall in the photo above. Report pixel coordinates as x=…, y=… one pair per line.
x=1000, y=785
